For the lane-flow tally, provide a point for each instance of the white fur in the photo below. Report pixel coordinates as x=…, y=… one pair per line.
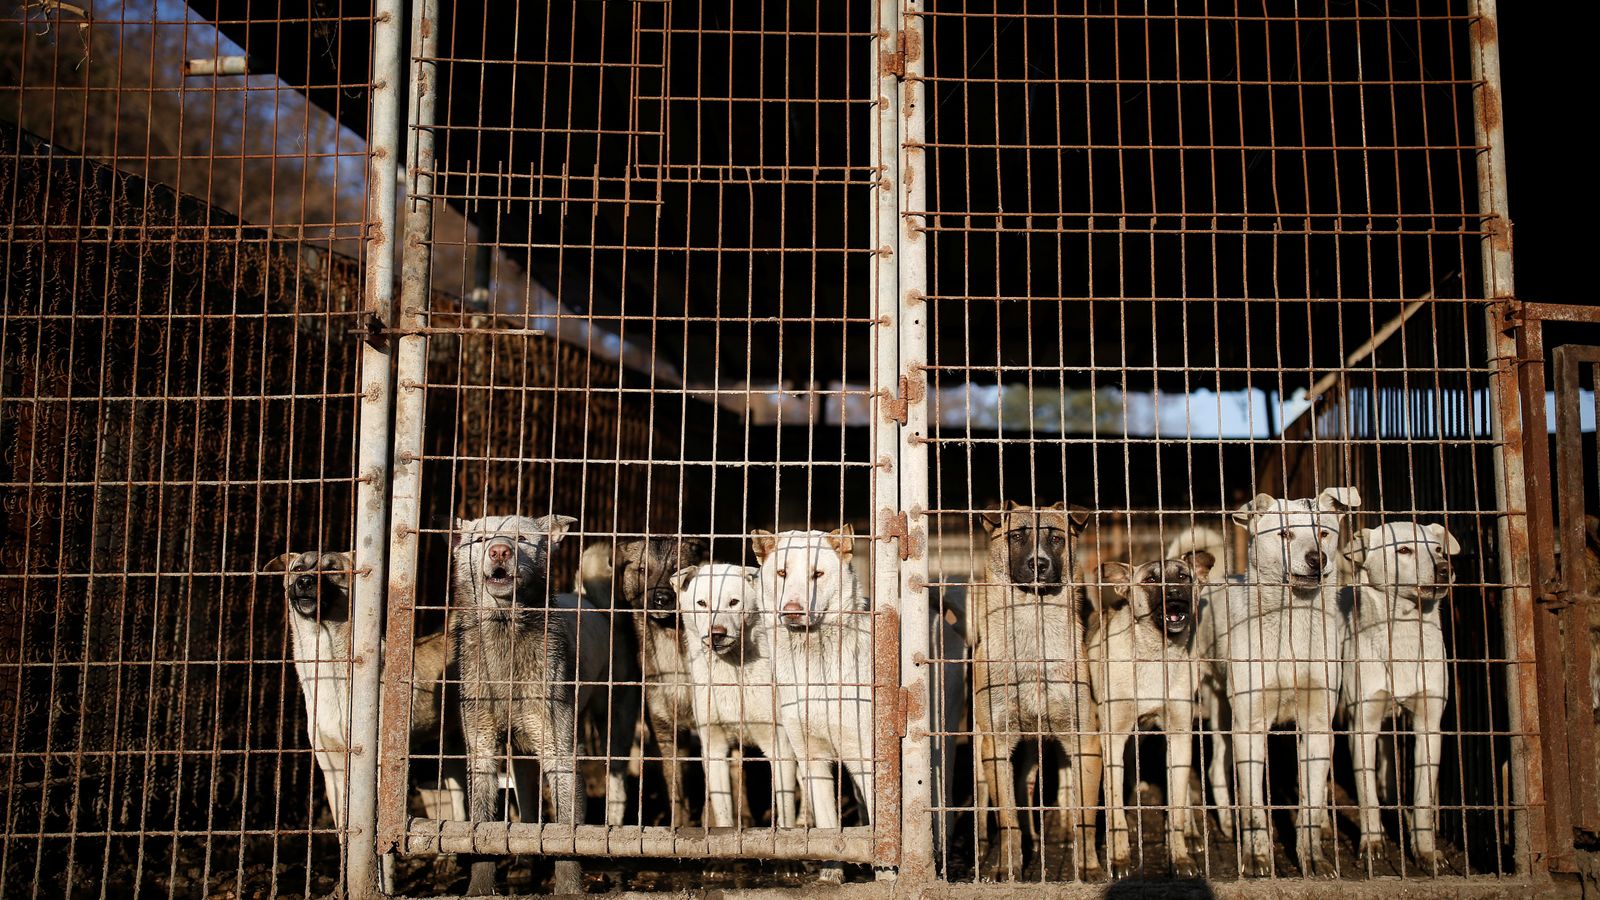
x=1394, y=663
x=823, y=657
x=733, y=684
x=1274, y=642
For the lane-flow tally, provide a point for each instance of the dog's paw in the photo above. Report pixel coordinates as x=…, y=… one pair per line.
x=1120, y=866
x=1430, y=861
x=831, y=874
x=1184, y=867
x=1258, y=865
x=1372, y=847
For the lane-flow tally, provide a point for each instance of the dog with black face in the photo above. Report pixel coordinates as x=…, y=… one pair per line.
x=316, y=587
x=1031, y=677
x=1143, y=674
x=642, y=582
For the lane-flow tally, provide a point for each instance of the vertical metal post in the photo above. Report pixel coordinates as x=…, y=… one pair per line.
x=1527, y=779
x=411, y=359
x=888, y=626
x=917, y=848
x=372, y=488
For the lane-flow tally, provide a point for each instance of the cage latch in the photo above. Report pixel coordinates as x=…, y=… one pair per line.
x=894, y=525
x=912, y=388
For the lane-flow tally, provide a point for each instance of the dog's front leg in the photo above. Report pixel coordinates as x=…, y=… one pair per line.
x=483, y=785
x=1180, y=762
x=1086, y=765
x=1366, y=718
x=332, y=766
x=1250, y=758
x=1316, y=756
x=1425, y=717
x=719, y=776
x=557, y=744
x=1115, y=741
x=1000, y=774
x=783, y=778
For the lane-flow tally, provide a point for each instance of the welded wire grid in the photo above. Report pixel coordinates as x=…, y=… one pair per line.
x=667, y=337
x=176, y=412
x=1174, y=259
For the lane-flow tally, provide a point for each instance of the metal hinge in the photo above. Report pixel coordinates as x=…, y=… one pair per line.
x=913, y=388
x=894, y=63
x=896, y=526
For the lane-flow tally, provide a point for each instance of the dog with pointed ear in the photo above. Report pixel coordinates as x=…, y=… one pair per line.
x=1395, y=660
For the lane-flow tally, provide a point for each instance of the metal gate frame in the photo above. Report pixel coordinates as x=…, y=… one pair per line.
x=901, y=839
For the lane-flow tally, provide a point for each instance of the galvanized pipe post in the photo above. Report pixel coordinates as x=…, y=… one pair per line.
x=888, y=624
x=1518, y=613
x=916, y=847
x=411, y=360
x=372, y=489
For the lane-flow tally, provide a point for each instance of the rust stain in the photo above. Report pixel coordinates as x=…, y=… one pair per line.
x=911, y=44
x=1488, y=107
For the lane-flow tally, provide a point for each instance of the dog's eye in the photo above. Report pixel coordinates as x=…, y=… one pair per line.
x=783, y=573
x=1287, y=534
x=1404, y=551
x=701, y=604
x=1055, y=540
x=1018, y=536
x=1180, y=575
x=1322, y=535
x=1151, y=579
x=732, y=603
x=817, y=574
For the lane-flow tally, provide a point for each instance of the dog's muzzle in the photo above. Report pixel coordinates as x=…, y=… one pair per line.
x=1175, y=614
x=304, y=595
x=719, y=640
x=795, y=616
x=661, y=604
x=1305, y=581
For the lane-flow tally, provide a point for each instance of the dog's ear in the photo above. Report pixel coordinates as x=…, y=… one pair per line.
x=693, y=550
x=763, y=543
x=992, y=520
x=1200, y=562
x=1339, y=499
x=1077, y=517
x=843, y=541
x=1356, y=550
x=1245, y=513
x=280, y=563
x=1059, y=504
x=1442, y=535
x=681, y=578
x=1116, y=575
x=1012, y=506
x=556, y=527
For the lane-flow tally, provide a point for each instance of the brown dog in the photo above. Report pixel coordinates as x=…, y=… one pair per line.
x=1030, y=670
x=642, y=581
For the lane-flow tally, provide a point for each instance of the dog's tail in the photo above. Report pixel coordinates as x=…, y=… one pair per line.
x=1202, y=537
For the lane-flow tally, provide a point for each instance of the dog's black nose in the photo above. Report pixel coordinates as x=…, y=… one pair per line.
x=1442, y=570
x=306, y=582
x=1038, y=566
x=662, y=599
x=1316, y=559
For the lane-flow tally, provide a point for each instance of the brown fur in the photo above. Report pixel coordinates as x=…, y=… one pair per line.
x=1030, y=670
x=642, y=581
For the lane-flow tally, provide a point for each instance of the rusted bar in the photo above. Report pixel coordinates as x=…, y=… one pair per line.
x=429, y=836
x=887, y=633
x=917, y=777
x=411, y=360
x=1579, y=708
x=1507, y=422
x=362, y=878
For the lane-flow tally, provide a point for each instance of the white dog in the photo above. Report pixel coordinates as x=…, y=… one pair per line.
x=823, y=657
x=1394, y=663
x=732, y=682
x=1274, y=639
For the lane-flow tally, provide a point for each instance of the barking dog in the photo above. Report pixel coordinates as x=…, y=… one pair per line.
x=1395, y=662
x=734, y=691
x=317, y=589
x=1274, y=642
x=529, y=662
x=823, y=658
x=1143, y=675
x=1030, y=672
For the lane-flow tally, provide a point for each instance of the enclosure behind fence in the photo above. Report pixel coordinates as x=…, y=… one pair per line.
x=862, y=440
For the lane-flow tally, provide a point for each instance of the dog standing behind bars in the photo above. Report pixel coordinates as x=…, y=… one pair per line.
x=823, y=657
x=1394, y=662
x=1030, y=670
x=528, y=662
x=1274, y=640
x=1143, y=674
x=317, y=589
x=733, y=687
